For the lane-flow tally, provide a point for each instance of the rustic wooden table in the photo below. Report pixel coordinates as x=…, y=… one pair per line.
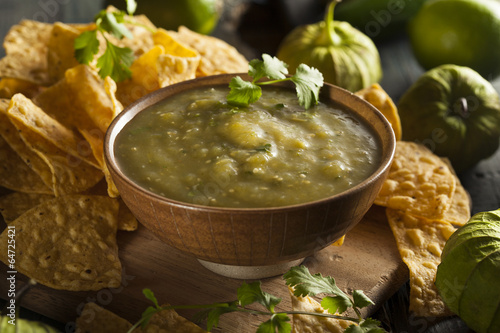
x=256, y=31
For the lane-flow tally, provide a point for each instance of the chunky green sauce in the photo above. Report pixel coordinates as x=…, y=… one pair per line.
x=196, y=148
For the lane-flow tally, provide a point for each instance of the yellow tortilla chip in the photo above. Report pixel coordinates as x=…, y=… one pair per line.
x=420, y=243
x=68, y=243
x=126, y=220
x=60, y=48
x=311, y=324
x=217, y=56
x=34, y=162
x=55, y=145
x=17, y=175
x=26, y=52
x=141, y=29
x=419, y=182
x=15, y=204
x=95, y=319
x=377, y=96
x=166, y=63
x=169, y=321
x=9, y=87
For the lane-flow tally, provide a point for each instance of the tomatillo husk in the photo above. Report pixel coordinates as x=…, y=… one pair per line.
x=346, y=57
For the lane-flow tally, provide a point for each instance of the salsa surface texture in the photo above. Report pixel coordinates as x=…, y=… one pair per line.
x=194, y=147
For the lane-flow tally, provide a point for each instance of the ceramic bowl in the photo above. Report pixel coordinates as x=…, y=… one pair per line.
x=251, y=242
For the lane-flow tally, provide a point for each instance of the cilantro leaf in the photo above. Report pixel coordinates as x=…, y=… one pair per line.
x=360, y=299
x=146, y=315
x=270, y=67
x=249, y=293
x=308, y=81
x=214, y=314
x=334, y=304
x=278, y=321
x=243, y=92
x=115, y=62
x=113, y=23
x=131, y=7
x=367, y=326
x=148, y=293
x=306, y=284
x=86, y=46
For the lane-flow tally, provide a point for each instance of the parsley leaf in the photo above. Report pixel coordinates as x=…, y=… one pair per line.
x=366, y=326
x=307, y=80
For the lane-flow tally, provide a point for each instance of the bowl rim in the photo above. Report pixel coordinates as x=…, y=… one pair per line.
x=160, y=94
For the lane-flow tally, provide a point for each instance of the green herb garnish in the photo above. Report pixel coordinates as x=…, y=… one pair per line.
x=308, y=82
x=115, y=61
x=304, y=284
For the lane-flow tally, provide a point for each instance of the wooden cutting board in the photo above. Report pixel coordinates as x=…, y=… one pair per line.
x=368, y=260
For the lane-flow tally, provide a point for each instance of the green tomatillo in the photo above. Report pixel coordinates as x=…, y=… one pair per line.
x=455, y=112
x=467, y=278
x=346, y=57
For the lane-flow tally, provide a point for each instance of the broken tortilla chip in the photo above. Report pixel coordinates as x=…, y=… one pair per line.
x=419, y=182
x=420, y=243
x=313, y=324
x=26, y=52
x=95, y=319
x=217, y=56
x=169, y=321
x=81, y=252
x=15, y=204
x=379, y=98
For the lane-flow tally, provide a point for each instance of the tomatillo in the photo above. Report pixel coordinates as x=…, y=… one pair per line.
x=467, y=277
x=455, y=112
x=346, y=57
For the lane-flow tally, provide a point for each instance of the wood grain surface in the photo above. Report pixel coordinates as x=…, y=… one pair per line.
x=368, y=260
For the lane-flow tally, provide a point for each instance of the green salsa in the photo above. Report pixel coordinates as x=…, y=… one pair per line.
x=196, y=148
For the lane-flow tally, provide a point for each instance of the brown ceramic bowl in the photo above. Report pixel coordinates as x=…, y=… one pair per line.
x=251, y=242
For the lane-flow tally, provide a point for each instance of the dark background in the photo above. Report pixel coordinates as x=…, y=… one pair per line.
x=258, y=26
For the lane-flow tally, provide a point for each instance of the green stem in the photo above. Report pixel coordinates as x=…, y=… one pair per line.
x=151, y=30
x=329, y=36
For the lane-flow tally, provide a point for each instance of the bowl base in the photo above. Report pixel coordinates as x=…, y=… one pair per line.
x=250, y=272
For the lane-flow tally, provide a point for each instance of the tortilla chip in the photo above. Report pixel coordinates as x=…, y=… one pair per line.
x=169, y=321
x=34, y=162
x=126, y=220
x=142, y=38
x=17, y=175
x=26, y=52
x=166, y=63
x=312, y=324
x=419, y=182
x=9, y=87
x=217, y=56
x=420, y=243
x=95, y=319
x=81, y=251
x=379, y=98
x=15, y=204
x=60, y=49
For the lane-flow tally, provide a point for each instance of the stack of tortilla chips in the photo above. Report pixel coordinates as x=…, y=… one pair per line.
x=54, y=113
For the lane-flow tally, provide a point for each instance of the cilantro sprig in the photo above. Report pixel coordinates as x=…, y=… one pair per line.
x=115, y=61
x=303, y=284
x=308, y=82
